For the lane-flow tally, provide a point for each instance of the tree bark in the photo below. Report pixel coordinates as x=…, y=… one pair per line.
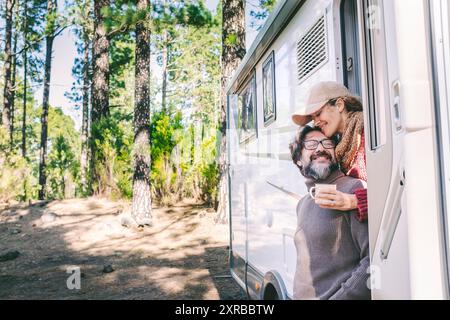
x=13, y=92
x=100, y=85
x=164, y=72
x=233, y=23
x=7, y=93
x=85, y=119
x=25, y=62
x=51, y=8
x=142, y=203
x=24, y=111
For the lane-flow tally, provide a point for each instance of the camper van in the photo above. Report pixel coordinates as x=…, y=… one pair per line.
x=395, y=55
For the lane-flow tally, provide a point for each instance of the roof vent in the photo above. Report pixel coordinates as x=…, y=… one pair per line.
x=312, y=50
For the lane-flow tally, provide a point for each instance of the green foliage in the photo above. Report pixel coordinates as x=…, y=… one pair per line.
x=121, y=61
x=81, y=16
x=182, y=139
x=64, y=147
x=259, y=16
x=19, y=176
x=52, y=22
x=16, y=179
x=120, y=18
x=194, y=85
x=195, y=15
x=162, y=181
x=182, y=13
x=164, y=135
x=208, y=171
x=267, y=4
x=183, y=160
x=30, y=26
x=63, y=169
x=112, y=139
x=62, y=125
x=231, y=39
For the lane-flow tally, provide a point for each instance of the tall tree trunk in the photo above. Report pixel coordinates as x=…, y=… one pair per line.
x=51, y=9
x=6, y=116
x=233, y=24
x=165, y=59
x=24, y=111
x=85, y=119
x=142, y=203
x=100, y=103
x=25, y=61
x=13, y=91
x=100, y=79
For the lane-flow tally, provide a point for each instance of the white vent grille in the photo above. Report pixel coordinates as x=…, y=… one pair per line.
x=312, y=50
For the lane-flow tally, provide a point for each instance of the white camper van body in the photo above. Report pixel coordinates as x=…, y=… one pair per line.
x=396, y=56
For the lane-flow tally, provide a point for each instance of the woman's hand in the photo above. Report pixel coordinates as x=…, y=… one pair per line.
x=336, y=200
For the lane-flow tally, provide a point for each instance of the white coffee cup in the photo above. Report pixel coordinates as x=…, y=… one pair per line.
x=319, y=187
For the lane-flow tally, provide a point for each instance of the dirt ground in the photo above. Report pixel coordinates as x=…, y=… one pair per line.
x=184, y=255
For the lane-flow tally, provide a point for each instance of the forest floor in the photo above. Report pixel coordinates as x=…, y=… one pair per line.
x=184, y=255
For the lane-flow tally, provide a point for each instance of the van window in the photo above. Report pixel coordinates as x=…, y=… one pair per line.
x=247, y=110
x=376, y=62
x=350, y=52
x=269, y=89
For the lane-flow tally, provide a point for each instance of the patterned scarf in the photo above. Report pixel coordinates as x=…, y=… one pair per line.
x=350, y=142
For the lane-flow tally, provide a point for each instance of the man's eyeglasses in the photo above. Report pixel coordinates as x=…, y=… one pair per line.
x=313, y=144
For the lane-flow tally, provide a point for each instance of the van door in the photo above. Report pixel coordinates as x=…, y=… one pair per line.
x=388, y=236
x=237, y=197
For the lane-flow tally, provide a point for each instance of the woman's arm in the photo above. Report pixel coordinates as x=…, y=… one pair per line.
x=361, y=196
x=336, y=200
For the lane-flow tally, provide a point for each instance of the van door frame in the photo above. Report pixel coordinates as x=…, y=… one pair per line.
x=439, y=19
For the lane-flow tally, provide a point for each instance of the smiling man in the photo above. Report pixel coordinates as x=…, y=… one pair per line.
x=332, y=246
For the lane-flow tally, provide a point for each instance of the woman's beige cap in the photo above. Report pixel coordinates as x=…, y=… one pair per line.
x=318, y=95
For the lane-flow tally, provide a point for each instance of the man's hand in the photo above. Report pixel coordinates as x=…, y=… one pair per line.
x=336, y=200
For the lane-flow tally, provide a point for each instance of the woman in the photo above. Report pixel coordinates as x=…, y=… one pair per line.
x=337, y=112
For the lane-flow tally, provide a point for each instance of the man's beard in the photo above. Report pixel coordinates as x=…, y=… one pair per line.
x=319, y=171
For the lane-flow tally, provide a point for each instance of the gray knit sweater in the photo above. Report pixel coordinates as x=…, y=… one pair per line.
x=332, y=248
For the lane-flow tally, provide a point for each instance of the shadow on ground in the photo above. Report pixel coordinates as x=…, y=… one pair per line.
x=183, y=256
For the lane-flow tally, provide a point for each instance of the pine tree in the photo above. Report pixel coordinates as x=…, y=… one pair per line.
x=13, y=78
x=142, y=204
x=100, y=84
x=25, y=68
x=81, y=13
x=100, y=92
x=33, y=18
x=50, y=35
x=6, y=116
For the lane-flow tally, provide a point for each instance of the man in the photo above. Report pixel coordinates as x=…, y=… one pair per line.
x=332, y=246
